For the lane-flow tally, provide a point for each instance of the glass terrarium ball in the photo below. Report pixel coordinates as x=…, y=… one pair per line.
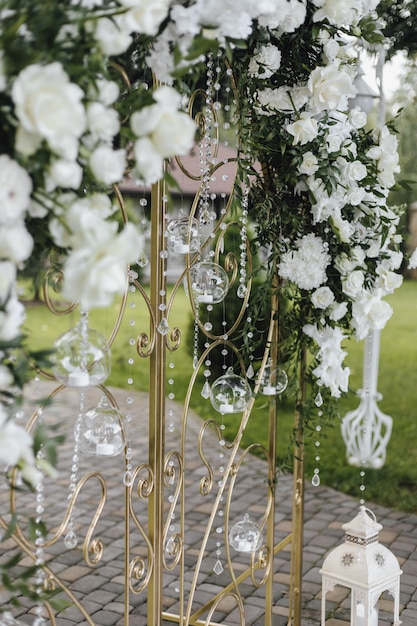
x=274, y=382
x=183, y=235
x=230, y=393
x=245, y=535
x=100, y=430
x=209, y=283
x=81, y=357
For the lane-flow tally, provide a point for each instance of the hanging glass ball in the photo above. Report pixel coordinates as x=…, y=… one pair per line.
x=209, y=283
x=274, y=381
x=183, y=235
x=230, y=393
x=245, y=535
x=81, y=357
x=100, y=430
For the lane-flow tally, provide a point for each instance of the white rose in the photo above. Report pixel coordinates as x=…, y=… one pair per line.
x=15, y=190
x=112, y=38
x=16, y=243
x=103, y=122
x=338, y=12
x=356, y=170
x=309, y=164
x=322, y=298
x=338, y=311
x=369, y=312
x=352, y=284
x=7, y=279
x=108, y=91
x=48, y=106
x=6, y=378
x=174, y=134
x=11, y=319
x=357, y=117
x=329, y=87
x=144, y=16
x=355, y=195
x=65, y=174
x=387, y=280
x=333, y=142
x=95, y=273
x=108, y=165
x=149, y=164
x=304, y=129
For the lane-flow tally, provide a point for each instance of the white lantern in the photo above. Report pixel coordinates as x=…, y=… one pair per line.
x=230, y=393
x=364, y=566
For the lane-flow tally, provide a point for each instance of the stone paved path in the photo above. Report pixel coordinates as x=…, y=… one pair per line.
x=101, y=588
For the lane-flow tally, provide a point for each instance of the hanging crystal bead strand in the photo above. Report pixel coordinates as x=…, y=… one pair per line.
x=318, y=401
x=205, y=147
x=39, y=540
x=71, y=539
x=242, y=288
x=127, y=476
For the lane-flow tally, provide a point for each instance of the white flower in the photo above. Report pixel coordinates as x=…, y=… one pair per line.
x=330, y=87
x=322, y=298
x=352, y=284
x=355, y=170
x=108, y=165
x=144, y=16
x=369, y=312
x=6, y=378
x=7, y=280
x=65, y=174
x=287, y=16
x=48, y=106
x=149, y=164
x=338, y=12
x=387, y=280
x=15, y=190
x=113, y=39
x=304, y=129
x=171, y=131
x=12, y=317
x=337, y=311
x=265, y=62
x=16, y=448
x=309, y=164
x=108, y=91
x=95, y=273
x=16, y=243
x=357, y=117
x=412, y=263
x=330, y=369
x=306, y=264
x=103, y=122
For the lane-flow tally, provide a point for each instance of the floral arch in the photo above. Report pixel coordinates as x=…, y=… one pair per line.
x=93, y=91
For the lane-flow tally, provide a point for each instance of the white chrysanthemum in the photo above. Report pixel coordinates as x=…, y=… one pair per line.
x=306, y=264
x=265, y=62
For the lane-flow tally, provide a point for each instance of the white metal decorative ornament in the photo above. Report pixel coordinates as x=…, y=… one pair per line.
x=364, y=566
x=367, y=430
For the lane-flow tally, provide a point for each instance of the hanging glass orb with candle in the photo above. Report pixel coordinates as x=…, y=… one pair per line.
x=101, y=430
x=230, y=393
x=209, y=283
x=82, y=357
x=273, y=381
x=183, y=235
x=245, y=536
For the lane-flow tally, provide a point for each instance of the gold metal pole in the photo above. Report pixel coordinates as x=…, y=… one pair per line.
x=272, y=442
x=157, y=406
x=298, y=506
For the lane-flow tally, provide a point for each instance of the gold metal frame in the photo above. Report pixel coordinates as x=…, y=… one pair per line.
x=145, y=574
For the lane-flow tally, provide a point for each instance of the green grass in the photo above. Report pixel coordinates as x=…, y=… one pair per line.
x=395, y=485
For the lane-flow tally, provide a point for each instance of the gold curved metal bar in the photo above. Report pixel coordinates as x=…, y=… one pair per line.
x=221, y=598
x=173, y=339
x=144, y=344
x=58, y=277
x=140, y=570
